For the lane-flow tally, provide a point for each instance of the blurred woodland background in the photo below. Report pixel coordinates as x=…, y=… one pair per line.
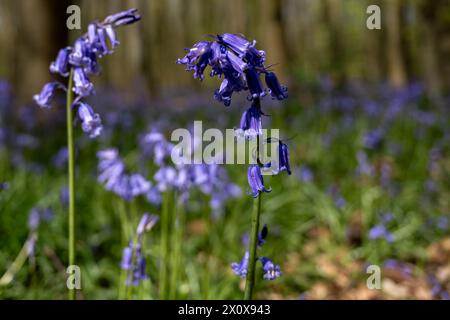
x=367, y=123
x=306, y=38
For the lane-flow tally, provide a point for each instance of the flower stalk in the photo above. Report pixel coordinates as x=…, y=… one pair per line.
x=250, y=279
x=165, y=238
x=71, y=177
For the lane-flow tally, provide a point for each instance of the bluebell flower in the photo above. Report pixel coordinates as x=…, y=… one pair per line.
x=404, y=269
x=82, y=86
x=92, y=35
x=90, y=121
x=61, y=64
x=364, y=166
x=154, y=144
x=59, y=160
x=112, y=174
x=82, y=59
x=236, y=42
x=64, y=196
x=227, y=87
x=123, y=18
x=262, y=235
x=146, y=223
x=127, y=258
x=338, y=199
x=244, y=48
x=271, y=270
x=139, y=273
x=442, y=223
x=276, y=90
x=380, y=231
x=254, y=83
x=4, y=185
x=111, y=34
x=240, y=268
x=92, y=67
x=250, y=124
x=44, y=98
x=438, y=290
x=110, y=167
x=197, y=58
x=101, y=46
x=373, y=139
x=165, y=178
x=283, y=155
x=306, y=174
x=153, y=196
x=79, y=55
x=34, y=219
x=255, y=180
x=387, y=217
x=47, y=214
x=138, y=185
x=238, y=61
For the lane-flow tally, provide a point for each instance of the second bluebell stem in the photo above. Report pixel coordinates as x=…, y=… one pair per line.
x=250, y=279
x=71, y=177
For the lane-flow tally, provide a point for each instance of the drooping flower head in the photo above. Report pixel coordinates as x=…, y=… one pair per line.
x=250, y=125
x=81, y=58
x=44, y=98
x=255, y=180
x=91, y=123
x=237, y=60
x=262, y=235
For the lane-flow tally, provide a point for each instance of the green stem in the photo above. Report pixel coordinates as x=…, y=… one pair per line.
x=165, y=233
x=18, y=262
x=177, y=241
x=126, y=236
x=71, y=172
x=250, y=280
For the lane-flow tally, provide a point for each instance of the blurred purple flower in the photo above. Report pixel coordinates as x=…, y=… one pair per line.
x=373, y=139
x=240, y=268
x=306, y=174
x=146, y=223
x=380, y=231
x=4, y=185
x=442, y=223
x=34, y=219
x=112, y=175
x=127, y=257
